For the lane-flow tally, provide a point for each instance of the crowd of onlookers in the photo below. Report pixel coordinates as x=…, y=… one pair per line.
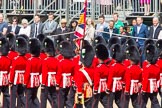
x=105, y=29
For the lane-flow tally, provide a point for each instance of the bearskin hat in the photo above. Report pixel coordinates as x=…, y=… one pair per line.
x=133, y=54
x=151, y=54
x=87, y=55
x=85, y=43
x=34, y=47
x=24, y=36
x=4, y=46
x=116, y=52
x=48, y=45
x=159, y=47
x=99, y=40
x=149, y=42
x=113, y=40
x=101, y=52
x=11, y=39
x=21, y=45
x=131, y=42
x=66, y=49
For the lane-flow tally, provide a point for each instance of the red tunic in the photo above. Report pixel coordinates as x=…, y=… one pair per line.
x=126, y=62
x=49, y=71
x=159, y=63
x=100, y=77
x=33, y=70
x=12, y=54
x=133, y=76
x=5, y=64
x=151, y=74
x=28, y=55
x=65, y=74
x=59, y=57
x=43, y=56
x=17, y=70
x=115, y=77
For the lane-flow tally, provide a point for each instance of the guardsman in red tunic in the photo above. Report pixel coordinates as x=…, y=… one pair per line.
x=100, y=77
x=32, y=74
x=159, y=63
x=12, y=53
x=116, y=76
x=5, y=64
x=49, y=72
x=151, y=74
x=133, y=76
x=65, y=74
x=17, y=72
x=85, y=80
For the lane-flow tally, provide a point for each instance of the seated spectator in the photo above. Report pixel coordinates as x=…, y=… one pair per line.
x=90, y=30
x=25, y=29
x=3, y=25
x=63, y=29
x=14, y=28
x=110, y=31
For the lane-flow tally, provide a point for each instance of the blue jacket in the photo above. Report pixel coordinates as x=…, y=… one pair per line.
x=143, y=33
x=106, y=36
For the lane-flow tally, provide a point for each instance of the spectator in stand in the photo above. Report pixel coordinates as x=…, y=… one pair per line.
x=155, y=29
x=3, y=25
x=50, y=26
x=118, y=23
x=101, y=26
x=63, y=29
x=36, y=27
x=72, y=27
x=110, y=31
x=146, y=4
x=123, y=31
x=25, y=29
x=14, y=28
x=134, y=23
x=90, y=30
x=141, y=31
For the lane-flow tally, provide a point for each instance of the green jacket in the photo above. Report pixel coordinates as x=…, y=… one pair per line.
x=118, y=24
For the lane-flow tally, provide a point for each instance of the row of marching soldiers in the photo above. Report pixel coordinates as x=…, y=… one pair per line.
x=94, y=74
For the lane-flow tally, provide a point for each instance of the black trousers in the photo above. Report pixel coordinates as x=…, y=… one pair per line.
x=62, y=97
x=6, y=96
x=45, y=93
x=70, y=98
x=101, y=97
x=115, y=96
x=19, y=92
x=31, y=98
x=153, y=98
x=134, y=99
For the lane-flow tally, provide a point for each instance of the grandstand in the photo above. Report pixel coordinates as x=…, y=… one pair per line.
x=70, y=9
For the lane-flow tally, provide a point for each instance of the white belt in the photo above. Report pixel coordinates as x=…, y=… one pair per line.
x=65, y=75
x=1, y=75
x=16, y=75
x=100, y=84
x=32, y=77
x=115, y=79
x=132, y=85
x=49, y=77
x=152, y=85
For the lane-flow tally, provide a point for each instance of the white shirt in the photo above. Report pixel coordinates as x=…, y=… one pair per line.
x=111, y=32
x=25, y=31
x=13, y=28
x=154, y=28
x=138, y=28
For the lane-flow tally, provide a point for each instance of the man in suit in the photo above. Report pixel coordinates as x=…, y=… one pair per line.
x=14, y=28
x=50, y=26
x=63, y=29
x=155, y=29
x=141, y=31
x=110, y=31
x=36, y=27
